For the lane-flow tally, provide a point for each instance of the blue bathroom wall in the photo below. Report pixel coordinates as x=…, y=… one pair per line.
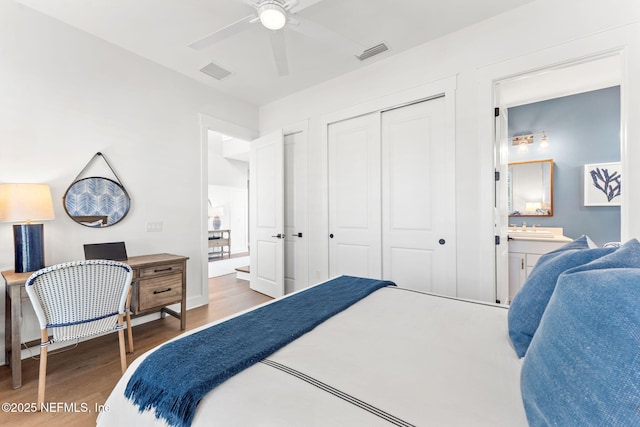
x=582, y=129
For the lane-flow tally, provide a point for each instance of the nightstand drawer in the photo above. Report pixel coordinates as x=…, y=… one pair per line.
x=159, y=280
x=159, y=291
x=160, y=270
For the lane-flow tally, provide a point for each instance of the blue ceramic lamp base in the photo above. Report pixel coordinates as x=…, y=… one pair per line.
x=216, y=223
x=29, y=247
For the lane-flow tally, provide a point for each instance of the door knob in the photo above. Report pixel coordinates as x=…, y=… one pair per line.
x=297, y=235
x=279, y=236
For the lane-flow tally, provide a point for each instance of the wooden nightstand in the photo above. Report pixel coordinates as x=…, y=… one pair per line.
x=159, y=280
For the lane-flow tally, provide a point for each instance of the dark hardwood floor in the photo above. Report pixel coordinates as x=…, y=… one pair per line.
x=79, y=380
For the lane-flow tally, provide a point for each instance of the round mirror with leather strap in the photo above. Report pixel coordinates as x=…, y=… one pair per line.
x=96, y=201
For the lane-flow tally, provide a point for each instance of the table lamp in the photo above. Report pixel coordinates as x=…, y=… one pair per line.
x=217, y=213
x=24, y=203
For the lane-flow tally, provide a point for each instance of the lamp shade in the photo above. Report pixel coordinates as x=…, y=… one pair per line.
x=25, y=203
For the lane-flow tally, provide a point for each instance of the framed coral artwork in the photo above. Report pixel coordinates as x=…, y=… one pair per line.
x=602, y=184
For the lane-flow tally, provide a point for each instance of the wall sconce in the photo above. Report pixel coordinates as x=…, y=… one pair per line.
x=24, y=203
x=523, y=141
x=544, y=142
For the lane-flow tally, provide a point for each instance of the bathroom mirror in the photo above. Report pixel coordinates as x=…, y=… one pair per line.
x=96, y=202
x=530, y=186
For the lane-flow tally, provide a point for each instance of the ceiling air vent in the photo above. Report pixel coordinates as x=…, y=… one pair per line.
x=368, y=53
x=215, y=71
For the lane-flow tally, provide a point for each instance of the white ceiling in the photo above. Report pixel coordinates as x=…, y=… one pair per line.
x=161, y=31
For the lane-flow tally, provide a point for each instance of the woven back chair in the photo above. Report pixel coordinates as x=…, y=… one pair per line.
x=80, y=299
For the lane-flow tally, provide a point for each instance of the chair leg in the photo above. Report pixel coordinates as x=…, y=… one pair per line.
x=123, y=355
x=43, y=368
x=129, y=331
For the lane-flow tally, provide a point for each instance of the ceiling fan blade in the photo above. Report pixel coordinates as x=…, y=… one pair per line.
x=318, y=32
x=298, y=5
x=226, y=32
x=279, y=49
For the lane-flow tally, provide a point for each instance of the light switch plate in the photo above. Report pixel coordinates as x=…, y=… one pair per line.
x=154, y=226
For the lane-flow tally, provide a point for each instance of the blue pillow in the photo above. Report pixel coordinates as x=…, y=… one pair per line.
x=583, y=365
x=625, y=256
x=530, y=302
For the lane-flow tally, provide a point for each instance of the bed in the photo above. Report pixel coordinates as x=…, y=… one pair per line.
x=395, y=357
x=565, y=353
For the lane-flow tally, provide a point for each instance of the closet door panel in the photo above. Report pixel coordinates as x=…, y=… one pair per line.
x=355, y=260
x=408, y=159
x=295, y=212
x=409, y=266
x=354, y=197
x=418, y=205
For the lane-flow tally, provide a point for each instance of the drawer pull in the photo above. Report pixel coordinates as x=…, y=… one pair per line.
x=160, y=270
x=162, y=291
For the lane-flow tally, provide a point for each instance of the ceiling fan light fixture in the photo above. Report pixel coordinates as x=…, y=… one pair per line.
x=272, y=15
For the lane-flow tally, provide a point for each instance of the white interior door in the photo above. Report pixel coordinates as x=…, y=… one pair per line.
x=354, y=197
x=418, y=204
x=501, y=215
x=266, y=214
x=295, y=212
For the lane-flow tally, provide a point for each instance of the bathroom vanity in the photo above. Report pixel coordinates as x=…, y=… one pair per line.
x=526, y=246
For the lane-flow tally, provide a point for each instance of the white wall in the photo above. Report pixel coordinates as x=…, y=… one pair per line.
x=66, y=95
x=557, y=31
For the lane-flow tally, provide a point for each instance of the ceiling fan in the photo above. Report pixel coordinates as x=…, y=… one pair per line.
x=275, y=16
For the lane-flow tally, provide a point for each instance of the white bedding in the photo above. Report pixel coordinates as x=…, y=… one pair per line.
x=423, y=359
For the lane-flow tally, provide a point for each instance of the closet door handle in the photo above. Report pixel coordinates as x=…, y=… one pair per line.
x=279, y=236
x=297, y=235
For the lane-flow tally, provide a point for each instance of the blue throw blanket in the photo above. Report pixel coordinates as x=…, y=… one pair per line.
x=174, y=378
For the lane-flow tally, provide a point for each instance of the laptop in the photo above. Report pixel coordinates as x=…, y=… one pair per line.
x=115, y=251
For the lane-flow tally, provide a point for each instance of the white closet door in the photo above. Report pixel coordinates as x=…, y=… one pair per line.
x=266, y=216
x=354, y=197
x=295, y=212
x=418, y=204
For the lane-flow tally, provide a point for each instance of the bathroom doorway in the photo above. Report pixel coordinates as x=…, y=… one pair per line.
x=536, y=89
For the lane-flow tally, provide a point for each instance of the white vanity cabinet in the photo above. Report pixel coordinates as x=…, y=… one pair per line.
x=525, y=248
x=517, y=272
